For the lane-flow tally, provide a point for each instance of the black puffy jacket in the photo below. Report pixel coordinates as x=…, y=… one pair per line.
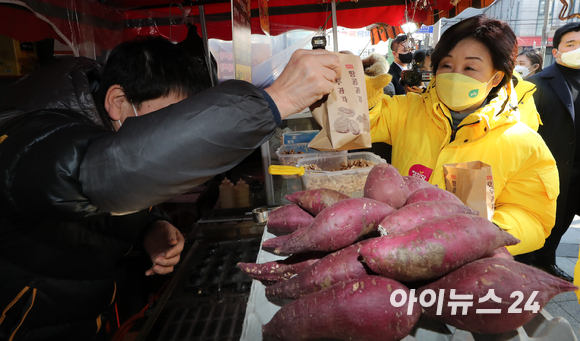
x=75, y=195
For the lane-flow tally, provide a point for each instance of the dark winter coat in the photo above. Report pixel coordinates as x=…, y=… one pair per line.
x=75, y=195
x=554, y=103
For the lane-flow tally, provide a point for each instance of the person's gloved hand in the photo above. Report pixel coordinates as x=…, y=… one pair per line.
x=376, y=77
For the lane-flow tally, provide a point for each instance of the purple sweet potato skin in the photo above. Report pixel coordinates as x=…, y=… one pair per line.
x=414, y=183
x=338, y=226
x=434, y=248
x=432, y=194
x=501, y=252
x=281, y=270
x=339, y=266
x=287, y=219
x=316, y=200
x=385, y=184
x=415, y=214
x=358, y=309
x=276, y=242
x=504, y=276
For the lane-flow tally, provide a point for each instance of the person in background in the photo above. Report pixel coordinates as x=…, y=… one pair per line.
x=468, y=114
x=557, y=101
x=427, y=63
x=402, y=58
x=529, y=63
x=85, y=154
x=426, y=67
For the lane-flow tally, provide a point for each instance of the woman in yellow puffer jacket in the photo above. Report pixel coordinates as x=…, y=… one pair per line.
x=469, y=113
x=526, y=105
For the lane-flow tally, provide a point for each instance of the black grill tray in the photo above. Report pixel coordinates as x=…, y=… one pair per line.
x=208, y=301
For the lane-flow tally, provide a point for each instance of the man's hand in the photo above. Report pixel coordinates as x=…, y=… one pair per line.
x=164, y=243
x=415, y=89
x=309, y=75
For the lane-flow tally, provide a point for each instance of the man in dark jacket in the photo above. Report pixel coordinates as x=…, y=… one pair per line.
x=557, y=101
x=82, y=160
x=402, y=58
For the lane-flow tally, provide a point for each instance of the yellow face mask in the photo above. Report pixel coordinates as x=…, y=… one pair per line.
x=459, y=92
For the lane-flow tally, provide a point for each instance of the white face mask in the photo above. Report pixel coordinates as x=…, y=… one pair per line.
x=522, y=70
x=571, y=58
x=134, y=110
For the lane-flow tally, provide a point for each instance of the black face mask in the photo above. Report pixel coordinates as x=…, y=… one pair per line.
x=406, y=58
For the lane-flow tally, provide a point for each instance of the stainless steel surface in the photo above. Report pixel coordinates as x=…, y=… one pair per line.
x=260, y=214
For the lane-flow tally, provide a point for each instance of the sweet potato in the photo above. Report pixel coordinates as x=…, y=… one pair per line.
x=434, y=248
x=337, y=226
x=287, y=219
x=501, y=252
x=432, y=194
x=385, y=184
x=339, y=266
x=276, y=242
x=412, y=215
x=414, y=183
x=503, y=277
x=281, y=270
x=316, y=200
x=358, y=309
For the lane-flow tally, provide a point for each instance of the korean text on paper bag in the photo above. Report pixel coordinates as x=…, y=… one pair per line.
x=472, y=183
x=344, y=113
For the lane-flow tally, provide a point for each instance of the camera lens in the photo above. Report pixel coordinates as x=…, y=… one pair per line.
x=411, y=77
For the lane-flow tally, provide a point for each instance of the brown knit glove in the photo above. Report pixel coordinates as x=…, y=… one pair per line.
x=376, y=77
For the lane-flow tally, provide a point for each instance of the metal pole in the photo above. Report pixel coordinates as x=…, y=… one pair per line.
x=205, y=44
x=334, y=27
x=545, y=29
x=266, y=162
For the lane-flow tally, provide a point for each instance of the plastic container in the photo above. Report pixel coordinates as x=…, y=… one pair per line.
x=301, y=151
x=227, y=197
x=242, y=194
x=350, y=182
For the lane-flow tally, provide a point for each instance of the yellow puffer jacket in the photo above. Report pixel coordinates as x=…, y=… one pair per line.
x=526, y=105
x=524, y=171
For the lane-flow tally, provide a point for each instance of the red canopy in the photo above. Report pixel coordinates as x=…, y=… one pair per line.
x=86, y=21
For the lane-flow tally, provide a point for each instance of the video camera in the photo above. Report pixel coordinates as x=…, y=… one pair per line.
x=414, y=76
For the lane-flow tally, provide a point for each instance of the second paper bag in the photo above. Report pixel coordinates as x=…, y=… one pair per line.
x=344, y=113
x=472, y=183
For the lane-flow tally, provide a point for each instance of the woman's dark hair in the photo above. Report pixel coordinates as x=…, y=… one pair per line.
x=495, y=35
x=570, y=27
x=535, y=58
x=152, y=67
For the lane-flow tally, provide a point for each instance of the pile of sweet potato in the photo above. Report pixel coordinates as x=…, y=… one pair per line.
x=368, y=268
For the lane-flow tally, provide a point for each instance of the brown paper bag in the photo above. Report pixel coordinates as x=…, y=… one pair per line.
x=472, y=182
x=344, y=113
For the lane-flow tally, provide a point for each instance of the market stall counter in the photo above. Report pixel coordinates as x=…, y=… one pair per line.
x=209, y=298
